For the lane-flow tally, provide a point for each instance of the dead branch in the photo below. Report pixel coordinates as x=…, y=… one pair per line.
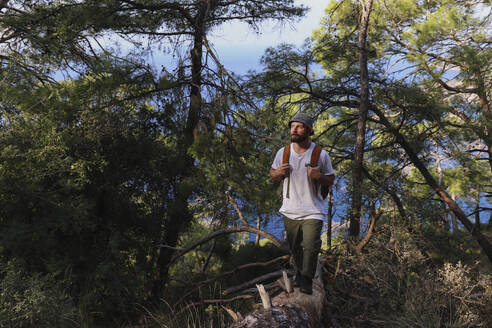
x=271, y=287
x=207, y=260
x=288, y=285
x=252, y=282
x=228, y=273
x=290, y=310
x=244, y=228
x=236, y=316
x=358, y=248
x=236, y=207
x=226, y=231
x=265, y=298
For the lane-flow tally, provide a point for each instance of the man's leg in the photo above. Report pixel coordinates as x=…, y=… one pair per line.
x=294, y=238
x=311, y=245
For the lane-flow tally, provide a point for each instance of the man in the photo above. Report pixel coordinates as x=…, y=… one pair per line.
x=303, y=206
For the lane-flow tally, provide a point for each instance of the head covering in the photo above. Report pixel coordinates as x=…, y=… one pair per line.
x=304, y=119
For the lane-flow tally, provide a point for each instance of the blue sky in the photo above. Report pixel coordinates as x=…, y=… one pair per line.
x=239, y=48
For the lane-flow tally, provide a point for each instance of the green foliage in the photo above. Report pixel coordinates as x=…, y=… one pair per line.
x=251, y=253
x=187, y=285
x=204, y=260
x=446, y=246
x=34, y=300
x=92, y=185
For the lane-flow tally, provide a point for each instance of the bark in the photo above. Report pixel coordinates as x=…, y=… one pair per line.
x=258, y=226
x=330, y=219
x=370, y=233
x=453, y=206
x=489, y=226
x=453, y=216
x=169, y=238
x=354, y=228
x=289, y=310
x=226, y=231
x=487, y=115
x=444, y=214
x=477, y=211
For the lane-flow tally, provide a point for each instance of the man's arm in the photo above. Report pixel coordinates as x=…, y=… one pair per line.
x=280, y=173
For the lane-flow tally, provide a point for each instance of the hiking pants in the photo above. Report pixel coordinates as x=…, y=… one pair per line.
x=304, y=238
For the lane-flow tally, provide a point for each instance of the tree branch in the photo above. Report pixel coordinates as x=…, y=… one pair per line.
x=226, y=231
x=254, y=281
x=228, y=273
x=360, y=246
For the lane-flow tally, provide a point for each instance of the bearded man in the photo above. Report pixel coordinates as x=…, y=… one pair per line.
x=303, y=206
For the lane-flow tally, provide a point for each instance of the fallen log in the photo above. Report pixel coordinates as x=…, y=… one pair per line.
x=288, y=310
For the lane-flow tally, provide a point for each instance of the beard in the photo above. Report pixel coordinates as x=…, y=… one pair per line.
x=298, y=137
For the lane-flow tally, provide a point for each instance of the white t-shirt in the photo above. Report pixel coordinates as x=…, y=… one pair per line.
x=305, y=200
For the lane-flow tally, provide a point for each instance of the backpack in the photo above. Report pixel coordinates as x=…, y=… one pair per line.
x=314, y=162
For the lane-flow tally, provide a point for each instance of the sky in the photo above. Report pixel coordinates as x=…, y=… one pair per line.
x=240, y=49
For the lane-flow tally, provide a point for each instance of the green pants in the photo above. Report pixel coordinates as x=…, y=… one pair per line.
x=304, y=237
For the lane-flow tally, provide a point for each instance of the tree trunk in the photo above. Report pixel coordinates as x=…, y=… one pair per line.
x=289, y=309
x=486, y=114
x=477, y=211
x=330, y=219
x=179, y=215
x=453, y=216
x=453, y=206
x=258, y=226
x=437, y=158
x=354, y=228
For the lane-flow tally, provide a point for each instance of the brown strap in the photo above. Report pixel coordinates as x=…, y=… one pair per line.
x=315, y=156
x=314, y=162
x=285, y=159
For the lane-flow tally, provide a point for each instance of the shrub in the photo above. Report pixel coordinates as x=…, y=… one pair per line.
x=395, y=283
x=34, y=300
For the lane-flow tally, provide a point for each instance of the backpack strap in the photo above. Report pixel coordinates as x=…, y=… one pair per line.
x=314, y=162
x=285, y=159
x=315, y=156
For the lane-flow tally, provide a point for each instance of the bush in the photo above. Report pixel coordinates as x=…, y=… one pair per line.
x=34, y=300
x=395, y=283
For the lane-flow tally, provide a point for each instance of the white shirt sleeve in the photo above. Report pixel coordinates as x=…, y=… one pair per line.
x=278, y=158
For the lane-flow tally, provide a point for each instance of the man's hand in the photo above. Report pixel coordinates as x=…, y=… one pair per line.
x=314, y=172
x=280, y=173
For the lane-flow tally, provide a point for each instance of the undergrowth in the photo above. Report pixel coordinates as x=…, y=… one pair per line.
x=400, y=281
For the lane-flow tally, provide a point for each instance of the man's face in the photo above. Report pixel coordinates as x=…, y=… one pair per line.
x=299, y=132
